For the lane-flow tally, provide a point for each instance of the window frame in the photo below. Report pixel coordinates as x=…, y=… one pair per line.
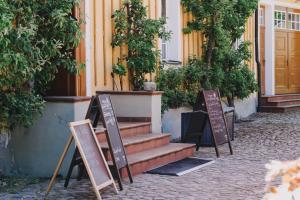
x=280, y=22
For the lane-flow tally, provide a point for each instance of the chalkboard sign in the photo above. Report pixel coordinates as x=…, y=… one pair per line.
x=93, y=112
x=92, y=155
x=113, y=135
x=111, y=125
x=216, y=118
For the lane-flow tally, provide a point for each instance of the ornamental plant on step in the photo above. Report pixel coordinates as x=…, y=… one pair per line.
x=139, y=33
x=223, y=23
x=36, y=39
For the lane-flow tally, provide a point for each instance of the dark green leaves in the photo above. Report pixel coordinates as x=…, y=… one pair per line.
x=222, y=23
x=135, y=30
x=36, y=38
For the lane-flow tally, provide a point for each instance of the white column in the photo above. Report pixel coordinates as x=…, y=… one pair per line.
x=270, y=49
x=174, y=25
x=88, y=46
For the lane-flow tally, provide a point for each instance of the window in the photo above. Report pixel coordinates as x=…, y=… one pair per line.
x=280, y=19
x=262, y=16
x=164, y=42
x=294, y=21
x=171, y=49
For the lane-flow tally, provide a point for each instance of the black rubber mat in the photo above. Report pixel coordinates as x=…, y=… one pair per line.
x=181, y=167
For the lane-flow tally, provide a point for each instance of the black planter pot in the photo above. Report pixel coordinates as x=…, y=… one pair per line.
x=195, y=124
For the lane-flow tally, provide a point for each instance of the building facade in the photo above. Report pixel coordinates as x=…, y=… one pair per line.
x=99, y=56
x=70, y=95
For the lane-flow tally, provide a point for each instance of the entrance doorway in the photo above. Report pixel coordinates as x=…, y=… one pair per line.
x=287, y=52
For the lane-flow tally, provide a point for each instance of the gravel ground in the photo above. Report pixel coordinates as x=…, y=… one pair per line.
x=240, y=176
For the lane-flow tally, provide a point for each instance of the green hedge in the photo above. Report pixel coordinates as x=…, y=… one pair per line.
x=36, y=39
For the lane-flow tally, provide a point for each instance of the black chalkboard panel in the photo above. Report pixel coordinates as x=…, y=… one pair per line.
x=113, y=132
x=216, y=117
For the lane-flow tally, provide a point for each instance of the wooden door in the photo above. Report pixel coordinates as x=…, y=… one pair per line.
x=294, y=61
x=281, y=57
x=287, y=63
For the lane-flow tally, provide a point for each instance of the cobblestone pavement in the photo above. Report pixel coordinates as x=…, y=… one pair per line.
x=263, y=138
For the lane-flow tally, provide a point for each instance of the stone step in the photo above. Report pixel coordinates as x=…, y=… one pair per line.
x=127, y=129
x=280, y=97
x=139, y=143
x=280, y=109
x=153, y=158
x=288, y=102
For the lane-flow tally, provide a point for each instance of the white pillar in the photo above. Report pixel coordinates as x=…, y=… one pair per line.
x=174, y=25
x=88, y=46
x=270, y=50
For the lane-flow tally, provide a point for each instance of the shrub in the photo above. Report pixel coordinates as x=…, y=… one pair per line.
x=223, y=24
x=36, y=38
x=171, y=82
x=134, y=29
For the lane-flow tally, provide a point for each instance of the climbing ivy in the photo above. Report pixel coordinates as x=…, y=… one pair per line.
x=36, y=39
x=134, y=29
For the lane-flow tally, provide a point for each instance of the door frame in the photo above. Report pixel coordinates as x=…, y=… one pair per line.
x=269, y=53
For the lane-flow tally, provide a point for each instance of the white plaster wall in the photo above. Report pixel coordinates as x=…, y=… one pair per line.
x=245, y=108
x=171, y=121
x=35, y=151
x=139, y=106
x=156, y=114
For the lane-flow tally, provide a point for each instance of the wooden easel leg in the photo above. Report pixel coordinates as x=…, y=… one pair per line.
x=230, y=147
x=119, y=179
x=198, y=144
x=98, y=195
x=72, y=165
x=69, y=142
x=81, y=171
x=129, y=174
x=217, y=151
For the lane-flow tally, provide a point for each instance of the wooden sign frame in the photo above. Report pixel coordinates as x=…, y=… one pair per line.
x=202, y=102
x=95, y=114
x=86, y=162
x=74, y=136
x=117, y=166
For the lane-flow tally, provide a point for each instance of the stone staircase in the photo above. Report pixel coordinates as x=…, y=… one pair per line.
x=280, y=103
x=145, y=150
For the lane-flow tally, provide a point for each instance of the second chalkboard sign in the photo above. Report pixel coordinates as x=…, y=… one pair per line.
x=114, y=139
x=213, y=106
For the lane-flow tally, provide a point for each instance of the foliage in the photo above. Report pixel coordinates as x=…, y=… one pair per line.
x=36, y=38
x=181, y=85
x=120, y=70
x=171, y=82
x=139, y=33
x=289, y=173
x=222, y=24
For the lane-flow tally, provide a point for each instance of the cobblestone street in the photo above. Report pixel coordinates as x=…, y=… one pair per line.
x=261, y=138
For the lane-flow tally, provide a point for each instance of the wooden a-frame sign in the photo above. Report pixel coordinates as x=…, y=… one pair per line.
x=101, y=108
x=91, y=154
x=210, y=102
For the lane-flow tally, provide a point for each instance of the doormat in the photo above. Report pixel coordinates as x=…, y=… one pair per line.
x=181, y=167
